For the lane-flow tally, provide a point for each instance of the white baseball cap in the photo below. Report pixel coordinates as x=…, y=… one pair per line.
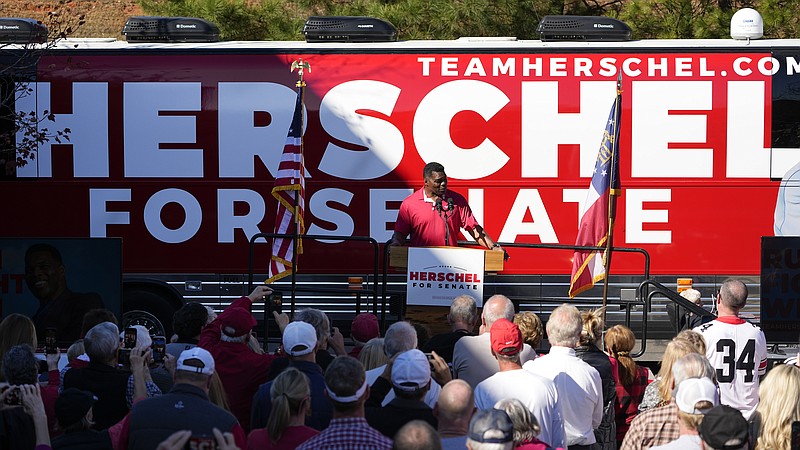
x=197, y=360
x=694, y=390
x=411, y=371
x=299, y=338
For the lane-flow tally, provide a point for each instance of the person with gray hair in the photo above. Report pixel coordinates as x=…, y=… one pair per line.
x=659, y=426
x=241, y=369
x=736, y=348
x=463, y=317
x=526, y=428
x=472, y=356
x=347, y=388
x=401, y=337
x=417, y=435
x=326, y=337
x=579, y=385
x=490, y=429
x=101, y=376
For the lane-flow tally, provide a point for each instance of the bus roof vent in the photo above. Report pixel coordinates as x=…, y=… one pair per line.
x=348, y=29
x=169, y=29
x=22, y=31
x=583, y=28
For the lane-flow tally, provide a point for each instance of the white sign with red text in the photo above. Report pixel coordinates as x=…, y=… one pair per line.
x=438, y=275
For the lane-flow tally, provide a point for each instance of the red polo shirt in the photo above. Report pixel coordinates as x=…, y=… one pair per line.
x=419, y=218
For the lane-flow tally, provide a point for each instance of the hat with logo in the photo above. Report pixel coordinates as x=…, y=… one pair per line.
x=694, y=390
x=299, y=338
x=411, y=371
x=237, y=321
x=724, y=428
x=196, y=360
x=72, y=406
x=364, y=327
x=506, y=337
x=491, y=426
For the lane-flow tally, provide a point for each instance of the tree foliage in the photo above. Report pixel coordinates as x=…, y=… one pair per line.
x=22, y=132
x=451, y=19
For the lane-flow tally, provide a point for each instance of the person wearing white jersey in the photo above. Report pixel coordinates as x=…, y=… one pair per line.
x=736, y=348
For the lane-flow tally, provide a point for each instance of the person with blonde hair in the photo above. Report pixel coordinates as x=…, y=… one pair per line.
x=659, y=392
x=589, y=349
x=531, y=327
x=373, y=355
x=777, y=408
x=291, y=402
x=16, y=329
x=630, y=378
x=695, y=338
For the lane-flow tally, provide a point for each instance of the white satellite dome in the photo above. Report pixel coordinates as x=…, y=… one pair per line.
x=747, y=24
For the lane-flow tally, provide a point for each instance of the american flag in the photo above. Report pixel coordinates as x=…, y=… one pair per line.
x=289, y=190
x=588, y=267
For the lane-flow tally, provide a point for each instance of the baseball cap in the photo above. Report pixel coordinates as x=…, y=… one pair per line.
x=299, y=338
x=197, y=360
x=411, y=371
x=364, y=327
x=506, y=337
x=237, y=321
x=694, y=390
x=724, y=428
x=491, y=426
x=72, y=405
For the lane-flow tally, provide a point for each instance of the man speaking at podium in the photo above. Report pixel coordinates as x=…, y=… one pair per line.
x=424, y=214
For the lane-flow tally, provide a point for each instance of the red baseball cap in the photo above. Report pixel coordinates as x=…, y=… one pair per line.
x=365, y=327
x=236, y=321
x=506, y=337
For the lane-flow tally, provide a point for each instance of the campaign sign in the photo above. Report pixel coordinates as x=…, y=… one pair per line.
x=437, y=275
x=780, y=288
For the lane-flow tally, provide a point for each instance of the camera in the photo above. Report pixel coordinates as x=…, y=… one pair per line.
x=201, y=443
x=275, y=302
x=13, y=397
x=159, y=348
x=50, y=346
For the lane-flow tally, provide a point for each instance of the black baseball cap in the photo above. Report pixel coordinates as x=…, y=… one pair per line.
x=72, y=405
x=724, y=428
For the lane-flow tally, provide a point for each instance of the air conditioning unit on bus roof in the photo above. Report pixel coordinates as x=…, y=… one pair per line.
x=348, y=29
x=22, y=31
x=169, y=29
x=583, y=28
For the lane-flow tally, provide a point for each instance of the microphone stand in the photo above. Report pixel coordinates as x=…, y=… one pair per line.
x=443, y=213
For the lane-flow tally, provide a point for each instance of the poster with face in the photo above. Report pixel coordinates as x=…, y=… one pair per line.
x=56, y=281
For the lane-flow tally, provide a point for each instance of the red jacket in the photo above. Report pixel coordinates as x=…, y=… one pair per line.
x=240, y=369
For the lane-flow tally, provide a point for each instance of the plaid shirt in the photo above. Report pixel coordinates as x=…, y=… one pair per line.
x=628, y=397
x=656, y=426
x=349, y=433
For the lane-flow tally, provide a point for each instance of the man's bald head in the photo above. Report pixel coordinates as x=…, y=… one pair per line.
x=497, y=307
x=456, y=401
x=733, y=294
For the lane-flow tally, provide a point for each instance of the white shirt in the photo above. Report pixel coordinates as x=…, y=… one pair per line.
x=536, y=392
x=685, y=442
x=430, y=398
x=474, y=362
x=579, y=388
x=738, y=350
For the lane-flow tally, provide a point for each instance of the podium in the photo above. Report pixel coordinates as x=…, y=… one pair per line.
x=492, y=262
x=434, y=317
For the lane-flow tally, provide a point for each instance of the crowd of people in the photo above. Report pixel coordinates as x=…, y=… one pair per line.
x=484, y=389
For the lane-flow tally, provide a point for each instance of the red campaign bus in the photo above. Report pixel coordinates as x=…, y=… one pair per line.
x=174, y=147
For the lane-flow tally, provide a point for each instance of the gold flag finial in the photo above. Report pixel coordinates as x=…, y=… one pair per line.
x=300, y=66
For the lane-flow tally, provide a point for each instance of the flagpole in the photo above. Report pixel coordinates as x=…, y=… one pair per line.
x=613, y=193
x=300, y=66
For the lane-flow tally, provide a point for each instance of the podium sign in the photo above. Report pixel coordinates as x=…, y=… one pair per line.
x=437, y=275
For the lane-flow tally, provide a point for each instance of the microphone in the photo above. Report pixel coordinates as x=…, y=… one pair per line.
x=438, y=205
x=450, y=205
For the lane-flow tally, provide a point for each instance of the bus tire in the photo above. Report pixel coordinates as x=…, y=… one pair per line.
x=158, y=303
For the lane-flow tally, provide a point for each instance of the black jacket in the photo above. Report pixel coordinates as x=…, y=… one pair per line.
x=83, y=440
x=108, y=384
x=390, y=418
